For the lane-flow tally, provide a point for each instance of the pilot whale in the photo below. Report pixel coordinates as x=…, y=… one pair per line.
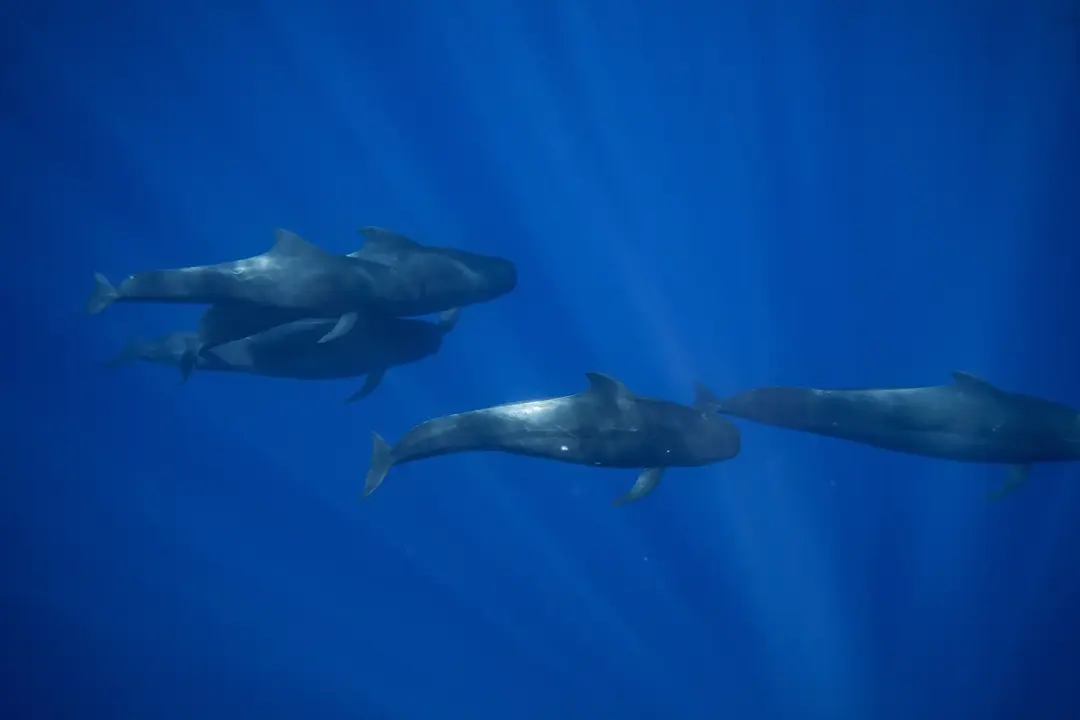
x=426, y=280
x=293, y=275
x=604, y=426
x=969, y=420
x=373, y=346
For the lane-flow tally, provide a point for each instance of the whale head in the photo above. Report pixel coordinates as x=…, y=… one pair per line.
x=486, y=276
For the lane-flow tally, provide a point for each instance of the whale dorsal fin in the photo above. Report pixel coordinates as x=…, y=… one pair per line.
x=289, y=243
x=974, y=383
x=383, y=239
x=610, y=389
x=704, y=399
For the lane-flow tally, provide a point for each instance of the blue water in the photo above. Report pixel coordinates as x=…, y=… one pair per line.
x=742, y=193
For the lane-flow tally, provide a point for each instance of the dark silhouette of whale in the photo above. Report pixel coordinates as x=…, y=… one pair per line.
x=969, y=420
x=427, y=280
x=604, y=426
x=375, y=344
x=167, y=349
x=293, y=275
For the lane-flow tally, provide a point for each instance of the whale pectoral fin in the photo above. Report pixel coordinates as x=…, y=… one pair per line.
x=187, y=364
x=344, y=324
x=370, y=383
x=129, y=354
x=1018, y=475
x=102, y=296
x=448, y=319
x=646, y=483
x=610, y=390
x=704, y=399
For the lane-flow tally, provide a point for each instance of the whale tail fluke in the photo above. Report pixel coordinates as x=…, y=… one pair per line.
x=381, y=460
x=132, y=351
x=102, y=296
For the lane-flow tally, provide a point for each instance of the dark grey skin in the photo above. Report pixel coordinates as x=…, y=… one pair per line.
x=166, y=350
x=448, y=277
x=374, y=345
x=969, y=420
x=604, y=426
x=440, y=278
x=293, y=275
x=430, y=280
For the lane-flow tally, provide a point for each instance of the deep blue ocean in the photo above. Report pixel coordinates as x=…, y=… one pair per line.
x=833, y=194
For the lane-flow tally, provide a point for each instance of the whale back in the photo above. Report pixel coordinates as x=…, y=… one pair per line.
x=606, y=425
x=968, y=419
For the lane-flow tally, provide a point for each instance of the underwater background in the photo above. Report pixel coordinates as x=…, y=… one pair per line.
x=836, y=194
